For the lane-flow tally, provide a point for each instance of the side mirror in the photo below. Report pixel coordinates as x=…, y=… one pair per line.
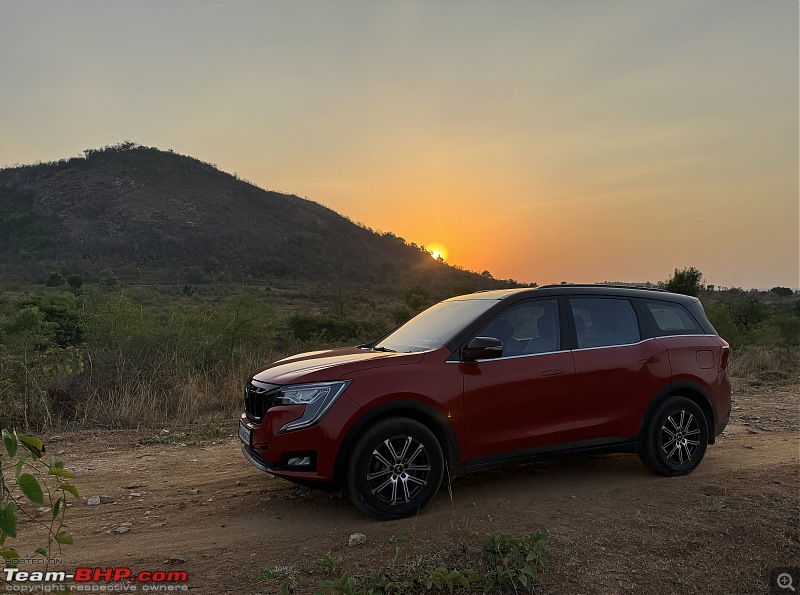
x=482, y=348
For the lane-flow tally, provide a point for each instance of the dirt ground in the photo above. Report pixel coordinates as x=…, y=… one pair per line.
x=613, y=526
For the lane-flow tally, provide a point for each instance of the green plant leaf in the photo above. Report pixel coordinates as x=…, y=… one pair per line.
x=64, y=537
x=61, y=473
x=34, y=445
x=58, y=506
x=57, y=462
x=30, y=488
x=10, y=443
x=8, y=519
x=10, y=553
x=69, y=488
x=41, y=551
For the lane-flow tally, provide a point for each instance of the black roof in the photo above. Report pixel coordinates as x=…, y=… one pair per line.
x=580, y=289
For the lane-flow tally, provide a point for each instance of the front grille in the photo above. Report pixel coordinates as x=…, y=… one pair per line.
x=258, y=397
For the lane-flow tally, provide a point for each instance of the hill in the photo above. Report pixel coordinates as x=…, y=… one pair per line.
x=157, y=216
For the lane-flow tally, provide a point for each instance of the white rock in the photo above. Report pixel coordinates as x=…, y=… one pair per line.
x=163, y=433
x=357, y=539
x=122, y=529
x=93, y=500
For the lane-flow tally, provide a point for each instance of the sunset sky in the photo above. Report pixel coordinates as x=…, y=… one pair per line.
x=542, y=140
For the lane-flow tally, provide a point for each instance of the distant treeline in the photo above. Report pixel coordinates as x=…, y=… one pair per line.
x=115, y=356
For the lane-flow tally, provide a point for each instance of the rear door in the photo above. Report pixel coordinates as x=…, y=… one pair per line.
x=619, y=368
x=523, y=399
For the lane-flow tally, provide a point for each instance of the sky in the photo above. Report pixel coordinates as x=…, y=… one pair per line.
x=542, y=140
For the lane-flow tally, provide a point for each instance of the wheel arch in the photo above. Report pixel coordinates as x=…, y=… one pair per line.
x=690, y=390
x=421, y=412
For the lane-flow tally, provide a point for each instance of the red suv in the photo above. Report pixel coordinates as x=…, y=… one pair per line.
x=494, y=378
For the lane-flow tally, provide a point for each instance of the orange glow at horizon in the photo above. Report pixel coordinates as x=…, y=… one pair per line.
x=437, y=251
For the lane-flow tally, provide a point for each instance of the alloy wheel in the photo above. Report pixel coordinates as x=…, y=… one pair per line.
x=680, y=437
x=398, y=470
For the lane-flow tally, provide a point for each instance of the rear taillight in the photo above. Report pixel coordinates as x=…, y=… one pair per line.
x=724, y=357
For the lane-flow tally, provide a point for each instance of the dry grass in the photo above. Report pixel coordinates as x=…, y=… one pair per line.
x=765, y=363
x=169, y=398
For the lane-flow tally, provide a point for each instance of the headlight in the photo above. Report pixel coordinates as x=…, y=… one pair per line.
x=317, y=397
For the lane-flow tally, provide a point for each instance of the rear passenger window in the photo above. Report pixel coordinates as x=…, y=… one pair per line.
x=672, y=319
x=602, y=322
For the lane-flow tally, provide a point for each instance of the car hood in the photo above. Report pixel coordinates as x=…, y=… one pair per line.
x=330, y=364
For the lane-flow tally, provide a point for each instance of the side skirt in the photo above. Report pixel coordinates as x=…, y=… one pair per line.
x=600, y=445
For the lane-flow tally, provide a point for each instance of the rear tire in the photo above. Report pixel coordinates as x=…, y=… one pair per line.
x=676, y=437
x=395, y=468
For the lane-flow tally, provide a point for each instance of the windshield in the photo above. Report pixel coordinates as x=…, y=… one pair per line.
x=435, y=326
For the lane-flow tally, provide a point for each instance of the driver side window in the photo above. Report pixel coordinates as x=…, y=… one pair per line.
x=528, y=328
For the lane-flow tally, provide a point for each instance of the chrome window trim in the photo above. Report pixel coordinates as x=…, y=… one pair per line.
x=612, y=346
x=640, y=342
x=494, y=359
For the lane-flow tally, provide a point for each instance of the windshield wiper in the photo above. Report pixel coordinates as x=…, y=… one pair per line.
x=384, y=349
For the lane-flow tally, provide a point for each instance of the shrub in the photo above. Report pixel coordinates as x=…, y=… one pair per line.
x=55, y=280
x=108, y=278
x=324, y=327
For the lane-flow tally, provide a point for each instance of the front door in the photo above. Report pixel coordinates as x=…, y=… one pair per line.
x=522, y=400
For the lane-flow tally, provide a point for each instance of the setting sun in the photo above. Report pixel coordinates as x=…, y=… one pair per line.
x=437, y=251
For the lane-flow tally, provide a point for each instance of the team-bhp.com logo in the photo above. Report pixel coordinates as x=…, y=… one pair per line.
x=97, y=579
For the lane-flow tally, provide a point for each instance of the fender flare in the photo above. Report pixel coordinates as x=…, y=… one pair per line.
x=692, y=390
x=413, y=409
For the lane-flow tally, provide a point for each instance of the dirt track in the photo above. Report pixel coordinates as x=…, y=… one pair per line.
x=613, y=526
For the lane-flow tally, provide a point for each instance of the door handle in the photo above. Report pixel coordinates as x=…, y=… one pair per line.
x=553, y=372
x=650, y=360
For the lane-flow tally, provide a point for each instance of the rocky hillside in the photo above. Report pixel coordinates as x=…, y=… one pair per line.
x=152, y=215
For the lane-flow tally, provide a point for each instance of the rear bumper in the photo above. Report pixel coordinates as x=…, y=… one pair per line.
x=720, y=426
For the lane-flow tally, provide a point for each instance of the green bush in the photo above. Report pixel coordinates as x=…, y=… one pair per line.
x=55, y=280
x=306, y=327
x=508, y=564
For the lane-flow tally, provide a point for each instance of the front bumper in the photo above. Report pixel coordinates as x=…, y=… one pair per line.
x=273, y=452
x=255, y=459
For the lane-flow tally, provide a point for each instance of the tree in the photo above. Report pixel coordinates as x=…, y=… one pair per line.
x=747, y=312
x=417, y=297
x=75, y=283
x=687, y=281
x=108, y=278
x=782, y=291
x=55, y=280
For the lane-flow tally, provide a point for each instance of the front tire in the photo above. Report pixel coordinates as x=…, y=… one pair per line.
x=676, y=437
x=395, y=468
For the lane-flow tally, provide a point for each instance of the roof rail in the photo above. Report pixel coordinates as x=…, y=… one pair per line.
x=618, y=286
